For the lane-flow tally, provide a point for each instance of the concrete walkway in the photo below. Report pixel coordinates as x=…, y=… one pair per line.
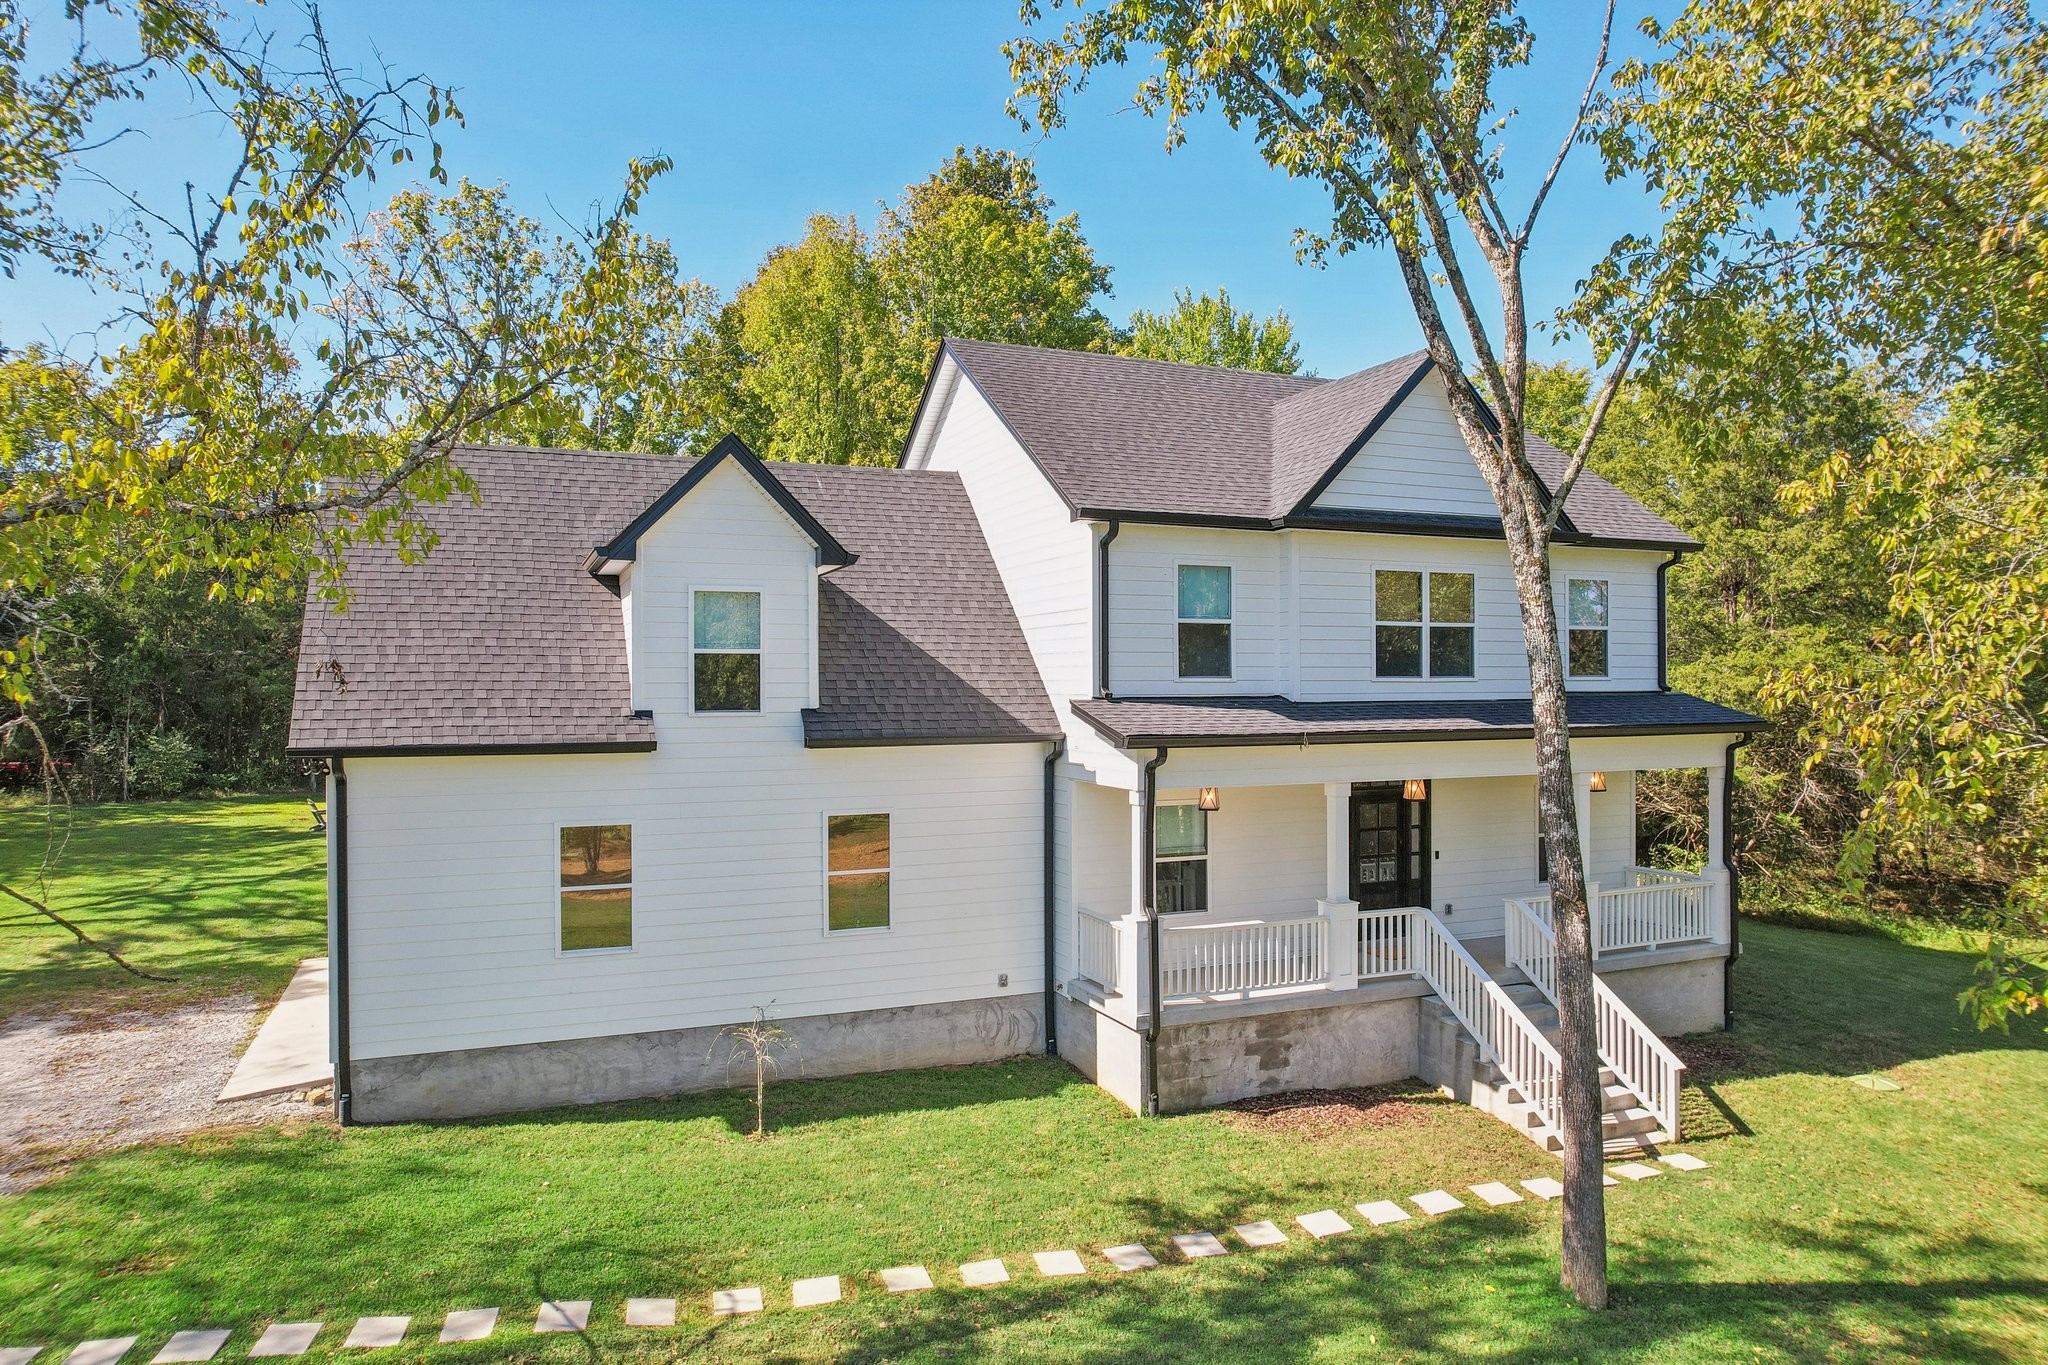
x=290, y=1049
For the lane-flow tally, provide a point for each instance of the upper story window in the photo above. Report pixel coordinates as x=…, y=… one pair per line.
x=1586, y=627
x=1204, y=621
x=595, y=882
x=1423, y=624
x=1180, y=858
x=856, y=872
x=725, y=638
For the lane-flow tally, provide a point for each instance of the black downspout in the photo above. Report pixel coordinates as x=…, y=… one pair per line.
x=1052, y=1027
x=1102, y=608
x=1664, y=625
x=1734, y=886
x=337, y=976
x=1153, y=1009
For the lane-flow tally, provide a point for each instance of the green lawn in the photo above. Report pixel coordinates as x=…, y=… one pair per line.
x=1836, y=1223
x=223, y=895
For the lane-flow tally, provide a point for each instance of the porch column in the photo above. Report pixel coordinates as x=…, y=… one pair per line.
x=1132, y=966
x=1584, y=803
x=1716, y=870
x=1336, y=907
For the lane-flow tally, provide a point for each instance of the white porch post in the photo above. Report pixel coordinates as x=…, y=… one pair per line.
x=1336, y=906
x=1131, y=964
x=1716, y=870
x=1584, y=803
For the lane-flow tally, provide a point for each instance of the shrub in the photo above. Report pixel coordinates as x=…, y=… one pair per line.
x=163, y=764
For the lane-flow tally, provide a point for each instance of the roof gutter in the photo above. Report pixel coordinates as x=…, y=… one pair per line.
x=1148, y=813
x=337, y=979
x=1734, y=886
x=1664, y=623
x=1102, y=607
x=1052, y=1026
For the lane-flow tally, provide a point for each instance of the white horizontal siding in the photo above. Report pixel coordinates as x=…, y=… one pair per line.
x=1415, y=462
x=1144, y=610
x=1265, y=854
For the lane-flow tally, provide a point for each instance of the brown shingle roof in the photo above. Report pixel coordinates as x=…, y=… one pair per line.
x=501, y=640
x=1118, y=436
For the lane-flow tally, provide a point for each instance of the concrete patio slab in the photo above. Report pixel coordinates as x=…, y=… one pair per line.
x=286, y=1339
x=1195, y=1245
x=370, y=1334
x=1381, y=1212
x=105, y=1351
x=1682, y=1161
x=1636, y=1170
x=1059, y=1263
x=19, y=1355
x=650, y=1312
x=981, y=1274
x=1260, y=1234
x=571, y=1315
x=730, y=1303
x=187, y=1348
x=1436, y=1202
x=1495, y=1193
x=469, y=1324
x=1130, y=1257
x=1543, y=1187
x=289, y=1051
x=1323, y=1223
x=819, y=1289
x=905, y=1279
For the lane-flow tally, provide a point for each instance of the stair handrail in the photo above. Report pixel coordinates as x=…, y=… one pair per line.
x=1640, y=1059
x=1506, y=1036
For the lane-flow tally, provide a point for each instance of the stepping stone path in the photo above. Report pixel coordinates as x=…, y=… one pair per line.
x=369, y=1333
x=981, y=1274
x=820, y=1289
x=730, y=1303
x=1260, y=1234
x=105, y=1351
x=1543, y=1187
x=1496, y=1194
x=906, y=1279
x=1683, y=1161
x=1435, y=1202
x=569, y=1315
x=650, y=1312
x=1059, y=1263
x=1636, y=1170
x=187, y=1347
x=469, y=1324
x=285, y=1339
x=19, y=1355
x=1195, y=1245
x=1609, y=1180
x=1381, y=1212
x=1323, y=1223
x=1132, y=1257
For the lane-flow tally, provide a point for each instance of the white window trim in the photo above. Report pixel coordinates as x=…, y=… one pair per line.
x=1179, y=621
x=825, y=928
x=555, y=874
x=690, y=634
x=1607, y=630
x=1373, y=572
x=1208, y=849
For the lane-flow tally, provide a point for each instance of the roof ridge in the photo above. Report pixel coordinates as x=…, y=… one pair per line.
x=1119, y=356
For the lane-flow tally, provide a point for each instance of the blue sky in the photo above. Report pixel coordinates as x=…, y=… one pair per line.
x=776, y=109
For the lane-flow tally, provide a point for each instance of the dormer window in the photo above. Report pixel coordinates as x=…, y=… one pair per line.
x=1423, y=624
x=725, y=638
x=1204, y=621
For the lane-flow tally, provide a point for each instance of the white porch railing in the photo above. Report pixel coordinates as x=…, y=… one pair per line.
x=1506, y=1036
x=1639, y=1059
x=1095, y=942
x=1385, y=944
x=1660, y=910
x=1199, y=960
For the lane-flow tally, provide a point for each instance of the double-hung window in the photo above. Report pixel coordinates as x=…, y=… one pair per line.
x=725, y=638
x=1204, y=621
x=1586, y=627
x=1180, y=858
x=1422, y=624
x=595, y=885
x=856, y=872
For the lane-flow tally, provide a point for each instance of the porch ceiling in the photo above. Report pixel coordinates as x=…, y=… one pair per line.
x=1144, y=722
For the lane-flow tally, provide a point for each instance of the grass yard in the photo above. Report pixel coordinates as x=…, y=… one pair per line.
x=223, y=895
x=1836, y=1222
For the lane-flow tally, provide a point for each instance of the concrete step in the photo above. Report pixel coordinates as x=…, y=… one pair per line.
x=1635, y=1143
x=1626, y=1122
x=1617, y=1097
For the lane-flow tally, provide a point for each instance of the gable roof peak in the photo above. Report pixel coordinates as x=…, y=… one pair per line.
x=729, y=450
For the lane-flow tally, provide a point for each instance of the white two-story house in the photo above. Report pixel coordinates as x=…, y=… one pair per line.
x=1173, y=719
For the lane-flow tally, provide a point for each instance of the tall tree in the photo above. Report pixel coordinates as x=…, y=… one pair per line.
x=1210, y=331
x=1390, y=105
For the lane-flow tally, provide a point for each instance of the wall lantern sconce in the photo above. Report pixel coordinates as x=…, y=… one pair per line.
x=1597, y=782
x=1210, y=799
x=1415, y=789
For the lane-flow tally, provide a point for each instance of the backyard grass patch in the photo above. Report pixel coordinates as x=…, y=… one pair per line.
x=225, y=896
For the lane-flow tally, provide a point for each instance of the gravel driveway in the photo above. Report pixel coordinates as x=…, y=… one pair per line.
x=69, y=1086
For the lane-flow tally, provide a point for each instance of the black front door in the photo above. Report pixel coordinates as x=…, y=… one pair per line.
x=1389, y=847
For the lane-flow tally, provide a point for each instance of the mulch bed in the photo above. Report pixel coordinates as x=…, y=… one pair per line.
x=1316, y=1112
x=1711, y=1056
